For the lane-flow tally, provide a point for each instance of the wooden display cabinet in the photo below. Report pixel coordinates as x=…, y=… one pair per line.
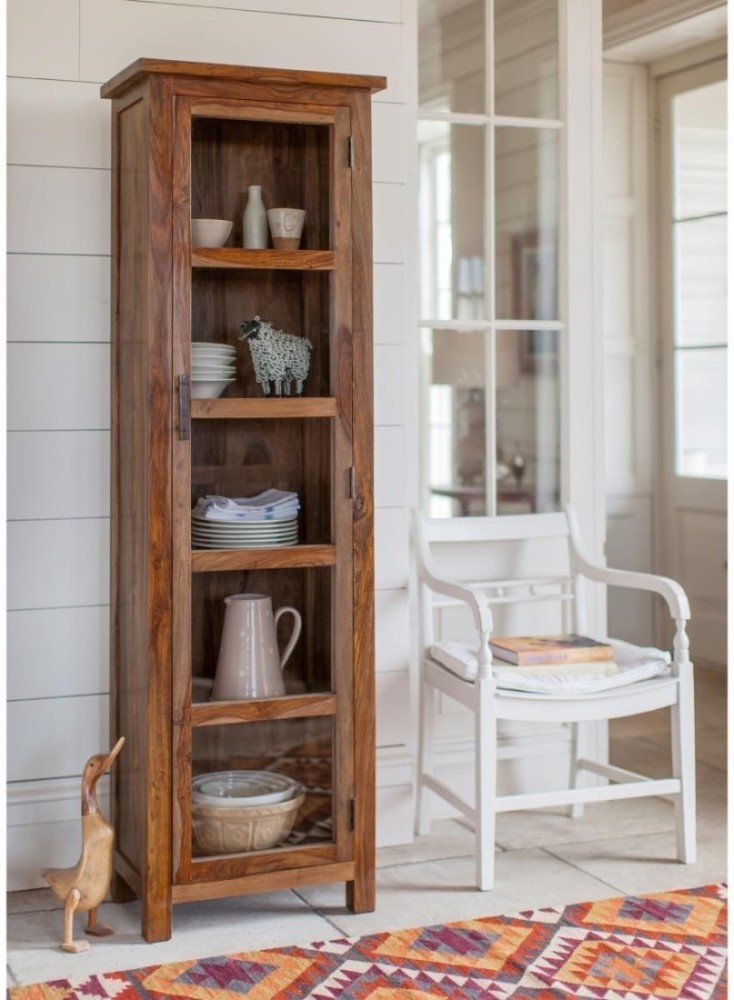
x=187, y=140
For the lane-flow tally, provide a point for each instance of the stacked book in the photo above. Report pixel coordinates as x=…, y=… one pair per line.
x=554, y=654
x=267, y=520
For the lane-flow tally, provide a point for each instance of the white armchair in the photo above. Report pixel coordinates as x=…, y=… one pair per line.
x=648, y=679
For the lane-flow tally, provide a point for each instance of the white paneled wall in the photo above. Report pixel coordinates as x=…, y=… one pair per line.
x=59, y=51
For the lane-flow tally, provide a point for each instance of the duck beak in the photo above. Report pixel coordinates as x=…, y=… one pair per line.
x=110, y=758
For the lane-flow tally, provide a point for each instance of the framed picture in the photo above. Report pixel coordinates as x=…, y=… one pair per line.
x=535, y=296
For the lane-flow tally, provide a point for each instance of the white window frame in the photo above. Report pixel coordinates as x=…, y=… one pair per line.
x=492, y=323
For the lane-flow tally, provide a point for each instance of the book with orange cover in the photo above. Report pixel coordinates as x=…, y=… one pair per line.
x=525, y=650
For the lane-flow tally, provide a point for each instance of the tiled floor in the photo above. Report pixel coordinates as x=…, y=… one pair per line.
x=544, y=859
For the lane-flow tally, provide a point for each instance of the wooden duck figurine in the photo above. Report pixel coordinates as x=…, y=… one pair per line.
x=84, y=886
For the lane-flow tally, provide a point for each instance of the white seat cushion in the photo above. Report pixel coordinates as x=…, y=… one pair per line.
x=636, y=663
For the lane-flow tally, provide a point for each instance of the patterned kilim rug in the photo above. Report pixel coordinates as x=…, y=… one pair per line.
x=670, y=944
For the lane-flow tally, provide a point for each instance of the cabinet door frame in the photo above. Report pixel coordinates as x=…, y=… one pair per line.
x=340, y=705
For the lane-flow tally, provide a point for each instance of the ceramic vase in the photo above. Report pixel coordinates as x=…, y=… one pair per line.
x=255, y=220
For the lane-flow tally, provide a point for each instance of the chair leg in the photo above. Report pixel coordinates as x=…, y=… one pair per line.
x=485, y=730
x=683, y=747
x=426, y=734
x=576, y=810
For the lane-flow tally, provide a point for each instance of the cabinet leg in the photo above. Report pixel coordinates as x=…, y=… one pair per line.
x=361, y=894
x=156, y=920
x=120, y=891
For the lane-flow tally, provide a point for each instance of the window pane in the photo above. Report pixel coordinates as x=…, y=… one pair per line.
x=526, y=58
x=528, y=421
x=452, y=192
x=699, y=150
x=451, y=73
x=700, y=270
x=526, y=199
x=700, y=394
x=456, y=422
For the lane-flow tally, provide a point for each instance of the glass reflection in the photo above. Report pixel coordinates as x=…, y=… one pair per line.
x=526, y=198
x=701, y=424
x=456, y=423
x=451, y=195
x=528, y=422
x=526, y=58
x=451, y=74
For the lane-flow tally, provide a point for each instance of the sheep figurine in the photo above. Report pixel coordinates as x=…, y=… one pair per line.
x=277, y=356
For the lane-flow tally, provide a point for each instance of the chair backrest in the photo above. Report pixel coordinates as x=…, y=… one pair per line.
x=524, y=565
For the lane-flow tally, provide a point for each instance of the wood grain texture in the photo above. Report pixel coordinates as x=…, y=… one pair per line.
x=361, y=890
x=286, y=260
x=220, y=713
x=267, y=882
x=293, y=557
x=270, y=409
x=156, y=899
x=240, y=74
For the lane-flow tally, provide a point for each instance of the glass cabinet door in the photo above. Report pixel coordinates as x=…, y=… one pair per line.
x=263, y=681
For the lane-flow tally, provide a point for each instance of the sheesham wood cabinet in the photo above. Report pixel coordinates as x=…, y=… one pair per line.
x=187, y=140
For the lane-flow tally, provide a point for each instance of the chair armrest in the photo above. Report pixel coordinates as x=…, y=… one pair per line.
x=475, y=599
x=671, y=591
x=471, y=596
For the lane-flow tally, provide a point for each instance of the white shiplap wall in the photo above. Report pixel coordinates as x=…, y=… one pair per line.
x=59, y=51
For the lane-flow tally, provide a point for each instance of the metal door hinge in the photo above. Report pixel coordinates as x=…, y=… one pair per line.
x=350, y=151
x=352, y=809
x=352, y=483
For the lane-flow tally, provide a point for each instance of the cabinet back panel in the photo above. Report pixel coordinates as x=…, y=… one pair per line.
x=309, y=591
x=291, y=300
x=289, y=162
x=242, y=458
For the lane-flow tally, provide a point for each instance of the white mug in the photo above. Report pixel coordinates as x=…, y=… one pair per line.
x=286, y=226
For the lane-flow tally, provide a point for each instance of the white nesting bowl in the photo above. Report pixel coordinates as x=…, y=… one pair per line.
x=237, y=789
x=210, y=232
x=221, y=830
x=208, y=345
x=207, y=388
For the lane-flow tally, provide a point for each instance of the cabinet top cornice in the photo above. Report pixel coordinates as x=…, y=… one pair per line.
x=141, y=68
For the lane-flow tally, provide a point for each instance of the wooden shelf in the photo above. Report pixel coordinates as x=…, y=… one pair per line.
x=290, y=557
x=279, y=260
x=221, y=713
x=264, y=408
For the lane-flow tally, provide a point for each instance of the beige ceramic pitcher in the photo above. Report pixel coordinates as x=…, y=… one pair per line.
x=249, y=664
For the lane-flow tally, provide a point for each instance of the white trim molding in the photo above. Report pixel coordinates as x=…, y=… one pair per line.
x=651, y=15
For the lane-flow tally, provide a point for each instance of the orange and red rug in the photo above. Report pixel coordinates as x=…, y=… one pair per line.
x=670, y=944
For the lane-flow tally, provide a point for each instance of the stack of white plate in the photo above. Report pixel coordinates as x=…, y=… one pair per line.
x=207, y=534
x=213, y=368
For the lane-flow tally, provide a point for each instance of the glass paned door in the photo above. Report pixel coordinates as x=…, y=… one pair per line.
x=491, y=328
x=692, y=222
x=699, y=225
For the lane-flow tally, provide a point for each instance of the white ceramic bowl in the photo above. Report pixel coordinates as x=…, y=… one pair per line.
x=238, y=789
x=222, y=830
x=206, y=345
x=210, y=232
x=214, y=374
x=207, y=388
